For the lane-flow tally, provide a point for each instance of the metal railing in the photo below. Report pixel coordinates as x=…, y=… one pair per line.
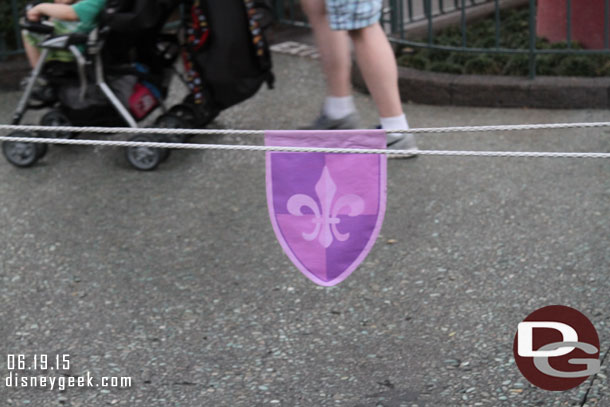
x=414, y=23
x=407, y=11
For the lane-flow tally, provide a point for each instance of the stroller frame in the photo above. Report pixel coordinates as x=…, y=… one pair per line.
x=130, y=42
x=27, y=154
x=94, y=48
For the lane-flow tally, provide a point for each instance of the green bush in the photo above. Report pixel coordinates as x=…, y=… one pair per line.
x=604, y=70
x=416, y=62
x=450, y=40
x=517, y=65
x=461, y=58
x=501, y=59
x=577, y=65
x=546, y=64
x=514, y=34
x=436, y=55
x=446, y=67
x=482, y=64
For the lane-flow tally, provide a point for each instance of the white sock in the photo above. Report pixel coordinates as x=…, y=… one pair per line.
x=339, y=107
x=394, y=123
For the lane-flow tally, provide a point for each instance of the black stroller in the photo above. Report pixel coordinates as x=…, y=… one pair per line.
x=124, y=72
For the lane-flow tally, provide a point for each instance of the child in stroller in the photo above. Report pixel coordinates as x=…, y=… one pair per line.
x=67, y=18
x=124, y=67
x=101, y=84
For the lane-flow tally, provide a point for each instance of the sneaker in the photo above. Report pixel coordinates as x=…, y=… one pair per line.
x=402, y=141
x=323, y=122
x=41, y=91
x=24, y=82
x=40, y=82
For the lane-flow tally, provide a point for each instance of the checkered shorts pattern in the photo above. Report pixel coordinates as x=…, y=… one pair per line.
x=352, y=14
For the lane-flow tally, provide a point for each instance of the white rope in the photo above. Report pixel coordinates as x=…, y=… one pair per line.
x=511, y=127
x=130, y=130
x=191, y=146
x=463, y=129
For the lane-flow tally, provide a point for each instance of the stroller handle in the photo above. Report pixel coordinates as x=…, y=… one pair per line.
x=40, y=27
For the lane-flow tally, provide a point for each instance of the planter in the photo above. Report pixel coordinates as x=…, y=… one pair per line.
x=547, y=92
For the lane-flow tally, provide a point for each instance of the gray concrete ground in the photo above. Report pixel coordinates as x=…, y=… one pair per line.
x=175, y=278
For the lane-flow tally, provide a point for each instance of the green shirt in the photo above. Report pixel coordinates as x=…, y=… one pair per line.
x=88, y=11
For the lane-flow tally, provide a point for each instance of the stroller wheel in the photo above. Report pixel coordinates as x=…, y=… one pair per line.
x=41, y=150
x=171, y=121
x=145, y=158
x=165, y=152
x=22, y=154
x=55, y=118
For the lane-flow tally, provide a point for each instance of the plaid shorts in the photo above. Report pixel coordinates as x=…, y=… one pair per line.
x=352, y=14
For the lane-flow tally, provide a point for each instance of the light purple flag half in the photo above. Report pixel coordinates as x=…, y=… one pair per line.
x=326, y=209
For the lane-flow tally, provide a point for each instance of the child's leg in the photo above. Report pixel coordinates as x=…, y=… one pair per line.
x=32, y=52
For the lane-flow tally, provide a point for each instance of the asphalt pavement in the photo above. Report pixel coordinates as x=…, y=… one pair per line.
x=175, y=278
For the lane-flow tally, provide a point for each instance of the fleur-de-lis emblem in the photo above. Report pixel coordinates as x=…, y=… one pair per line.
x=325, y=216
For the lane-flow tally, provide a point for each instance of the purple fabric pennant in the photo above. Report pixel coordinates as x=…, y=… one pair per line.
x=326, y=209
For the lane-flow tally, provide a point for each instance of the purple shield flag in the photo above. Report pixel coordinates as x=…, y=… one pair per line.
x=326, y=209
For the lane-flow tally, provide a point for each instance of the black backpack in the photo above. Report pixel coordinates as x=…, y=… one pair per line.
x=227, y=55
